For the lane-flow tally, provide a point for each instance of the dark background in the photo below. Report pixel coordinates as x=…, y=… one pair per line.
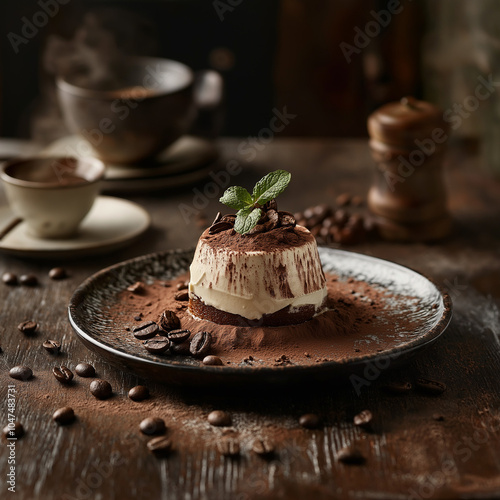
x=270, y=53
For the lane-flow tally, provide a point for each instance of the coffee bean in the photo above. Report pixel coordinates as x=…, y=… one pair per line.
x=437, y=417
x=158, y=345
x=184, y=285
x=228, y=447
x=178, y=336
x=341, y=217
x=429, y=386
x=212, y=361
x=161, y=445
x=28, y=280
x=168, y=320
x=363, y=419
x=101, y=389
x=137, y=287
x=13, y=431
x=183, y=295
x=152, y=425
x=146, y=330
x=57, y=273
x=138, y=317
x=28, y=327
x=181, y=349
x=357, y=201
x=343, y=199
x=9, y=279
x=219, y=418
x=63, y=374
x=286, y=219
x=138, y=393
x=309, y=421
x=398, y=387
x=350, y=455
x=200, y=344
x=21, y=372
x=52, y=346
x=218, y=227
x=85, y=370
x=64, y=416
x=262, y=448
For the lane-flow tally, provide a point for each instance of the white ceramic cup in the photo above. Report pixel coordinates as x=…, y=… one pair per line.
x=52, y=194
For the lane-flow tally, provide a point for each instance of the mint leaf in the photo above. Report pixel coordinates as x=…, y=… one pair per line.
x=236, y=197
x=271, y=186
x=247, y=219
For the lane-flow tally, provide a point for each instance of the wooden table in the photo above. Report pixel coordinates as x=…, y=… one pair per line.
x=410, y=453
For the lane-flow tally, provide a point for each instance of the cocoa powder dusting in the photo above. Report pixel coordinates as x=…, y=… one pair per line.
x=278, y=239
x=350, y=325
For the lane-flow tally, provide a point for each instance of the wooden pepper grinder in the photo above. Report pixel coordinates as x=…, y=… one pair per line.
x=408, y=140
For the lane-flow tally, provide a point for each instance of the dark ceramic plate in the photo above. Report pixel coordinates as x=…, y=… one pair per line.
x=416, y=312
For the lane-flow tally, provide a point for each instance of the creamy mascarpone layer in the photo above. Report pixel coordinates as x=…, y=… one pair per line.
x=255, y=283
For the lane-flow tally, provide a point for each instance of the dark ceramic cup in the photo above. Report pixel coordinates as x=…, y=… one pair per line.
x=146, y=105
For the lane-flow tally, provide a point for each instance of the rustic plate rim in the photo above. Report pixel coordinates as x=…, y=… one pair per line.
x=419, y=342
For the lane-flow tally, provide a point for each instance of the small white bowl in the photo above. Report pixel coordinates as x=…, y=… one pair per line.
x=52, y=194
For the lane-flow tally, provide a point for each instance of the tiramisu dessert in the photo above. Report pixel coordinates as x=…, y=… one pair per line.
x=270, y=277
x=256, y=292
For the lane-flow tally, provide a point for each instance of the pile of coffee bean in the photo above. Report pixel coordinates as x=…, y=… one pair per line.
x=346, y=223
x=165, y=336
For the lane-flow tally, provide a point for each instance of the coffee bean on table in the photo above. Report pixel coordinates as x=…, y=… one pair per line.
x=21, y=372
x=85, y=370
x=168, y=320
x=343, y=199
x=138, y=393
x=158, y=345
x=28, y=280
x=212, y=361
x=9, y=279
x=178, y=336
x=200, y=344
x=398, y=387
x=152, y=425
x=13, y=431
x=350, y=455
x=28, y=327
x=364, y=419
x=309, y=421
x=183, y=295
x=137, y=287
x=432, y=387
x=219, y=418
x=63, y=374
x=262, y=447
x=52, y=346
x=64, y=416
x=57, y=273
x=228, y=447
x=101, y=389
x=146, y=330
x=161, y=445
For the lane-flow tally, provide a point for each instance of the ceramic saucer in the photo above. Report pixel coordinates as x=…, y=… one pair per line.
x=111, y=224
x=185, y=162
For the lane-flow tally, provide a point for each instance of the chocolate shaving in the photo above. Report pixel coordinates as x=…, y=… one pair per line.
x=220, y=226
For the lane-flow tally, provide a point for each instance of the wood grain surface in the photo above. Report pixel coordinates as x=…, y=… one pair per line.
x=421, y=446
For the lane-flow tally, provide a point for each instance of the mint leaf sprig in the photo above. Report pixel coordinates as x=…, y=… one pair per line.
x=249, y=206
